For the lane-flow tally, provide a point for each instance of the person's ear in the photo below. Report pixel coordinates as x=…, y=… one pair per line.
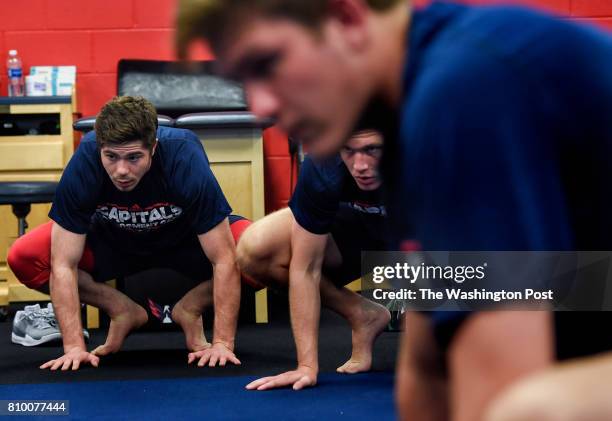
x=352, y=16
x=154, y=147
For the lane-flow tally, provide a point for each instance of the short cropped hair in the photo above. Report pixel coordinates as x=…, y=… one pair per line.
x=213, y=19
x=126, y=119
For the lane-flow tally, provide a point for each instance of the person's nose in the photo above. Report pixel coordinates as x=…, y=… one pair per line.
x=122, y=168
x=263, y=102
x=360, y=163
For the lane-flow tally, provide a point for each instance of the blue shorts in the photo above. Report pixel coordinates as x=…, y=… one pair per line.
x=353, y=232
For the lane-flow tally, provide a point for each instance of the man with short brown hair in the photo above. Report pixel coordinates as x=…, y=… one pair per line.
x=135, y=197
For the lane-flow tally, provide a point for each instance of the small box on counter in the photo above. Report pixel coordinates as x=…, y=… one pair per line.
x=37, y=85
x=51, y=80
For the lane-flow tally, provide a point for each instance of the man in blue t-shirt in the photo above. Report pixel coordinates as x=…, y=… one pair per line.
x=314, y=247
x=506, y=139
x=504, y=143
x=135, y=197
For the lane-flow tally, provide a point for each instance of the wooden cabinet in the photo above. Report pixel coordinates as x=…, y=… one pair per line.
x=29, y=152
x=236, y=159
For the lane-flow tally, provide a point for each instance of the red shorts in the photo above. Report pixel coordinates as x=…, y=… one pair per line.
x=30, y=258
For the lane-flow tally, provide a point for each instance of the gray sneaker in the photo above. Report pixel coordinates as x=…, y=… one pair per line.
x=34, y=326
x=51, y=313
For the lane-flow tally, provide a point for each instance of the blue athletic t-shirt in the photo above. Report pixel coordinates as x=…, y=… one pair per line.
x=176, y=199
x=505, y=139
x=323, y=187
x=505, y=133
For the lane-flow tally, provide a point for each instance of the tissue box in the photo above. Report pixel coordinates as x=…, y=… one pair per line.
x=37, y=85
x=60, y=79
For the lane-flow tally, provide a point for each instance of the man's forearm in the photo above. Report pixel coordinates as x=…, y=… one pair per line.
x=226, y=296
x=305, y=307
x=421, y=388
x=63, y=285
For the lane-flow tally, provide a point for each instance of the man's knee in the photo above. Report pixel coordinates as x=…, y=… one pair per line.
x=30, y=257
x=252, y=251
x=30, y=267
x=572, y=391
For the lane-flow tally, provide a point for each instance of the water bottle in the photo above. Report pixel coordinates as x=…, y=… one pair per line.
x=15, y=74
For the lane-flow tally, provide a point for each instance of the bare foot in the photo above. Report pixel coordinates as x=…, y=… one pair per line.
x=192, y=326
x=366, y=328
x=121, y=325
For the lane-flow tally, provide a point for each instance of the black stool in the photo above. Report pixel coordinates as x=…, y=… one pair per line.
x=20, y=195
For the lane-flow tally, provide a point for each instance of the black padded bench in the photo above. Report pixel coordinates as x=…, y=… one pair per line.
x=86, y=124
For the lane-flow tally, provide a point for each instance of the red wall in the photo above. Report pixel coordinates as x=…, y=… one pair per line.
x=95, y=34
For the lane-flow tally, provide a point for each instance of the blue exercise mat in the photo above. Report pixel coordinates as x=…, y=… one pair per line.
x=351, y=397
